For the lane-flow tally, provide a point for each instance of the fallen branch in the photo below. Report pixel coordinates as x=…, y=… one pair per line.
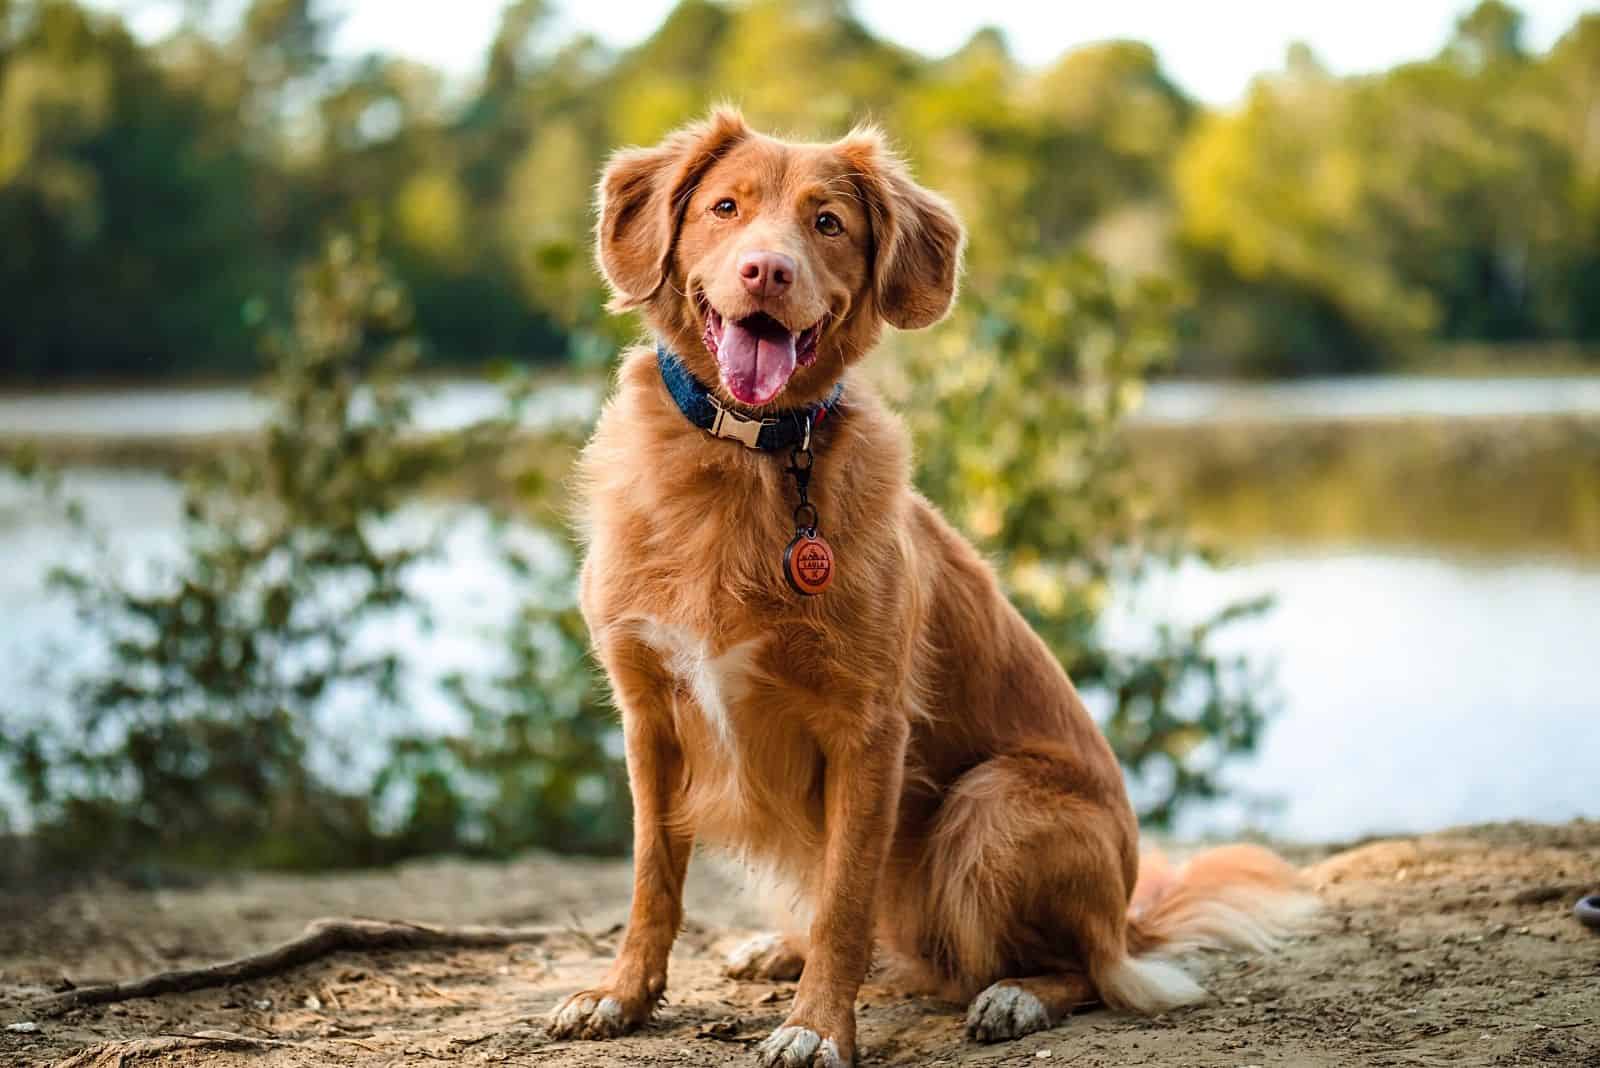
x=120, y=1054
x=321, y=938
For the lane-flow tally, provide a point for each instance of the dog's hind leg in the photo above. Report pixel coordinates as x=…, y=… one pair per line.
x=1021, y=890
x=777, y=956
x=1012, y=1008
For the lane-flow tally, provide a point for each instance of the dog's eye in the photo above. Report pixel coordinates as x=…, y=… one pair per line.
x=828, y=224
x=725, y=208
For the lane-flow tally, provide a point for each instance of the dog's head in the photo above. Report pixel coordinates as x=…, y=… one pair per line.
x=770, y=267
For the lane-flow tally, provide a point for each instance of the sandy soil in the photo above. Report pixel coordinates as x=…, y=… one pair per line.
x=1454, y=949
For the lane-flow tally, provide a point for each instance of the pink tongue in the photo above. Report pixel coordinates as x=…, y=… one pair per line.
x=757, y=357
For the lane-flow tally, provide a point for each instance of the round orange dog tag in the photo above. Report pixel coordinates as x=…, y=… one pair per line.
x=808, y=563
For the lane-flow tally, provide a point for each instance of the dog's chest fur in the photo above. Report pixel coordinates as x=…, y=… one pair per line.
x=751, y=767
x=715, y=681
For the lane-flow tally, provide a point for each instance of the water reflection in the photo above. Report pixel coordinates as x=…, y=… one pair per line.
x=1418, y=692
x=210, y=410
x=203, y=411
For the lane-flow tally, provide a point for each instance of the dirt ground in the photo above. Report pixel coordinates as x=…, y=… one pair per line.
x=1454, y=949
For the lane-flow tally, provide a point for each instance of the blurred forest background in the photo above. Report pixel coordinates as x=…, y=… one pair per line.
x=155, y=196
x=336, y=625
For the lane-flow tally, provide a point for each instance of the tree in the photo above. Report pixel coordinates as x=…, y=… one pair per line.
x=117, y=195
x=1487, y=36
x=1326, y=224
x=1356, y=219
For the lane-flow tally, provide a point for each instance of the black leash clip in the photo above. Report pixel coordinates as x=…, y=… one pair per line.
x=800, y=462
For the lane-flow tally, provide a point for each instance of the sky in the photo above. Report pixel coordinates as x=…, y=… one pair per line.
x=1212, y=49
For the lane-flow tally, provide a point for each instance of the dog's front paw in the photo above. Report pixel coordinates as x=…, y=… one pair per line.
x=1005, y=1011
x=774, y=957
x=793, y=1046
x=597, y=1014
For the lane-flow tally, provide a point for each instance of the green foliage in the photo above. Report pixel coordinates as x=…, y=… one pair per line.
x=195, y=742
x=204, y=737
x=539, y=763
x=116, y=192
x=1324, y=224
x=1450, y=198
x=1017, y=409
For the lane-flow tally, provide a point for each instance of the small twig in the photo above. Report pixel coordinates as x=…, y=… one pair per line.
x=418, y=1051
x=440, y=994
x=726, y=1031
x=224, y=1037
x=249, y=1021
x=576, y=928
x=321, y=938
x=331, y=996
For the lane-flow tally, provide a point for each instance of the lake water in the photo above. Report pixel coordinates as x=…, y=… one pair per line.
x=188, y=411
x=1417, y=691
x=198, y=410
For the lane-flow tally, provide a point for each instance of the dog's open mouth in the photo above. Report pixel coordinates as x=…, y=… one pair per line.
x=757, y=355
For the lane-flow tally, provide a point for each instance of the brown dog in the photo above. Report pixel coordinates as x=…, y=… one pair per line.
x=902, y=748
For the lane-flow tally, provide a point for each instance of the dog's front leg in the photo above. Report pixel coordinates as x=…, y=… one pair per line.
x=861, y=787
x=661, y=847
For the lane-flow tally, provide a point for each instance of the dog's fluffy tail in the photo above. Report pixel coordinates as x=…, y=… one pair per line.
x=1237, y=897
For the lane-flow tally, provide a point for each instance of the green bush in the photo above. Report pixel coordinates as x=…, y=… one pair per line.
x=1017, y=408
x=204, y=738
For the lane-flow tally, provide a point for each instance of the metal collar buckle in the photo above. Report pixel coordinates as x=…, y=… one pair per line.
x=741, y=428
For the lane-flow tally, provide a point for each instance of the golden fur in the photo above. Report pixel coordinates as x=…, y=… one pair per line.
x=903, y=748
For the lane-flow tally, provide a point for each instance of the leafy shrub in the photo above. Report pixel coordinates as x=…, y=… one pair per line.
x=1017, y=408
x=205, y=737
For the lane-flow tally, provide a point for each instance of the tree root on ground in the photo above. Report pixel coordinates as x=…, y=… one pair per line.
x=321, y=938
x=120, y=1054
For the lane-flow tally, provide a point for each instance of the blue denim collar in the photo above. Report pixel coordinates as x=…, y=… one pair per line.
x=787, y=429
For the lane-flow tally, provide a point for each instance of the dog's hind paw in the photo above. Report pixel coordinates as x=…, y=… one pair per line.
x=800, y=1047
x=774, y=957
x=1003, y=1012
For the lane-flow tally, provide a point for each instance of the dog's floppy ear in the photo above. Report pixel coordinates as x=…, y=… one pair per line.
x=917, y=238
x=644, y=193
